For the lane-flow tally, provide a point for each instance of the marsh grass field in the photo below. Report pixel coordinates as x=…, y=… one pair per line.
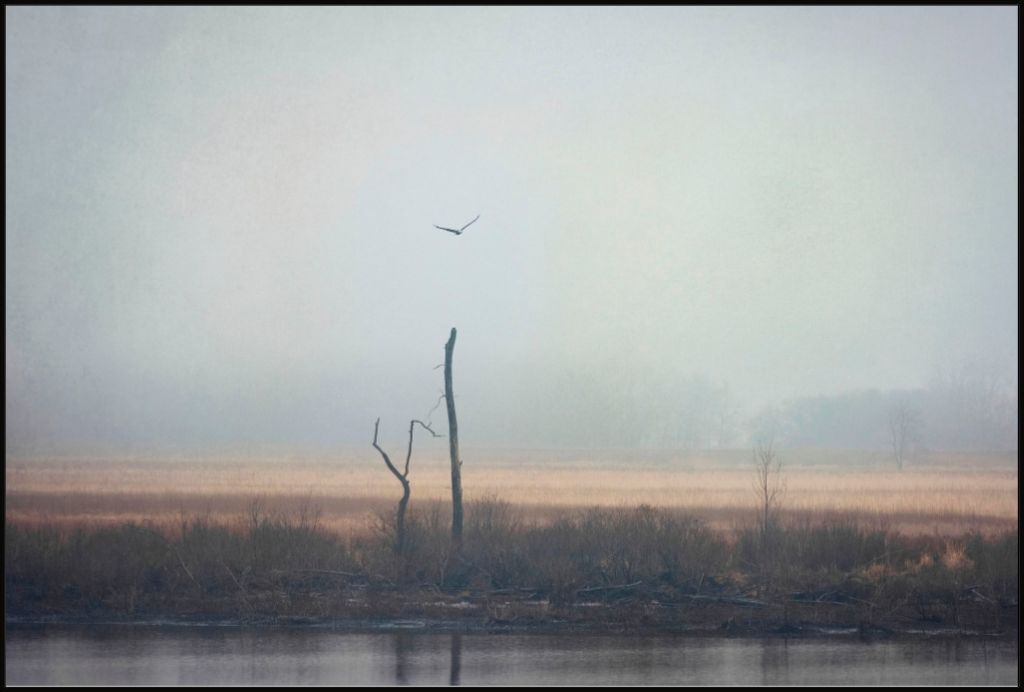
x=940, y=493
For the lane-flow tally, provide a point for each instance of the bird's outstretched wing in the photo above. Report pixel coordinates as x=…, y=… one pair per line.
x=469, y=224
x=457, y=231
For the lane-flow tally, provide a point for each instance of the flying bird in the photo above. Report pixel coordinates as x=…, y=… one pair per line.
x=459, y=231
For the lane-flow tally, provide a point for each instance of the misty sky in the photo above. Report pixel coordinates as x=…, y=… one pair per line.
x=219, y=220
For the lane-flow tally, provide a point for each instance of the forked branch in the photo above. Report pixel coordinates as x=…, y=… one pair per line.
x=403, y=477
x=408, y=454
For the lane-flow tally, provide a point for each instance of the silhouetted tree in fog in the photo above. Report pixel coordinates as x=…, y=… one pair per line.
x=904, y=430
x=402, y=477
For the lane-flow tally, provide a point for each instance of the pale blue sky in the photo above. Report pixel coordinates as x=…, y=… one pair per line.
x=219, y=220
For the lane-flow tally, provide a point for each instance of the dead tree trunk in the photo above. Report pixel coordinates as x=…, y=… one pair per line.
x=403, y=478
x=453, y=443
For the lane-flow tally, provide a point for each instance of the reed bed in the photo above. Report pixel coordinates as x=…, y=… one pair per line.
x=266, y=565
x=952, y=494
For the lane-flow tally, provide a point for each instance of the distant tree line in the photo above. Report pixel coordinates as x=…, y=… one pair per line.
x=959, y=411
x=964, y=409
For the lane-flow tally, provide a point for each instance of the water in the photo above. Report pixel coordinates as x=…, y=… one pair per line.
x=152, y=655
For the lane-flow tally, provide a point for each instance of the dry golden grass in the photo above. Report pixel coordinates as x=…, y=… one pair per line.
x=943, y=494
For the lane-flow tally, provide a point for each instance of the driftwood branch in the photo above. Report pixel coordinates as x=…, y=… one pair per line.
x=241, y=589
x=184, y=567
x=731, y=600
x=610, y=588
x=350, y=575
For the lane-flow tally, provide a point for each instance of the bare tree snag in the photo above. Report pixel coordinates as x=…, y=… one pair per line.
x=453, y=443
x=770, y=487
x=903, y=431
x=768, y=484
x=403, y=478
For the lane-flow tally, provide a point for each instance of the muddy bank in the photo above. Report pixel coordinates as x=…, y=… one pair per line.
x=627, y=609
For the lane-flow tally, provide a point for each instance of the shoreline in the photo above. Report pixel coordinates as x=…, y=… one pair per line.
x=459, y=615
x=439, y=627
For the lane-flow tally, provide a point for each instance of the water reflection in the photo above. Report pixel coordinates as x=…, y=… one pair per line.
x=403, y=647
x=455, y=665
x=135, y=655
x=775, y=662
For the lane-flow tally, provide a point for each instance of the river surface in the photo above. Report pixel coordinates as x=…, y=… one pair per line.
x=189, y=655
